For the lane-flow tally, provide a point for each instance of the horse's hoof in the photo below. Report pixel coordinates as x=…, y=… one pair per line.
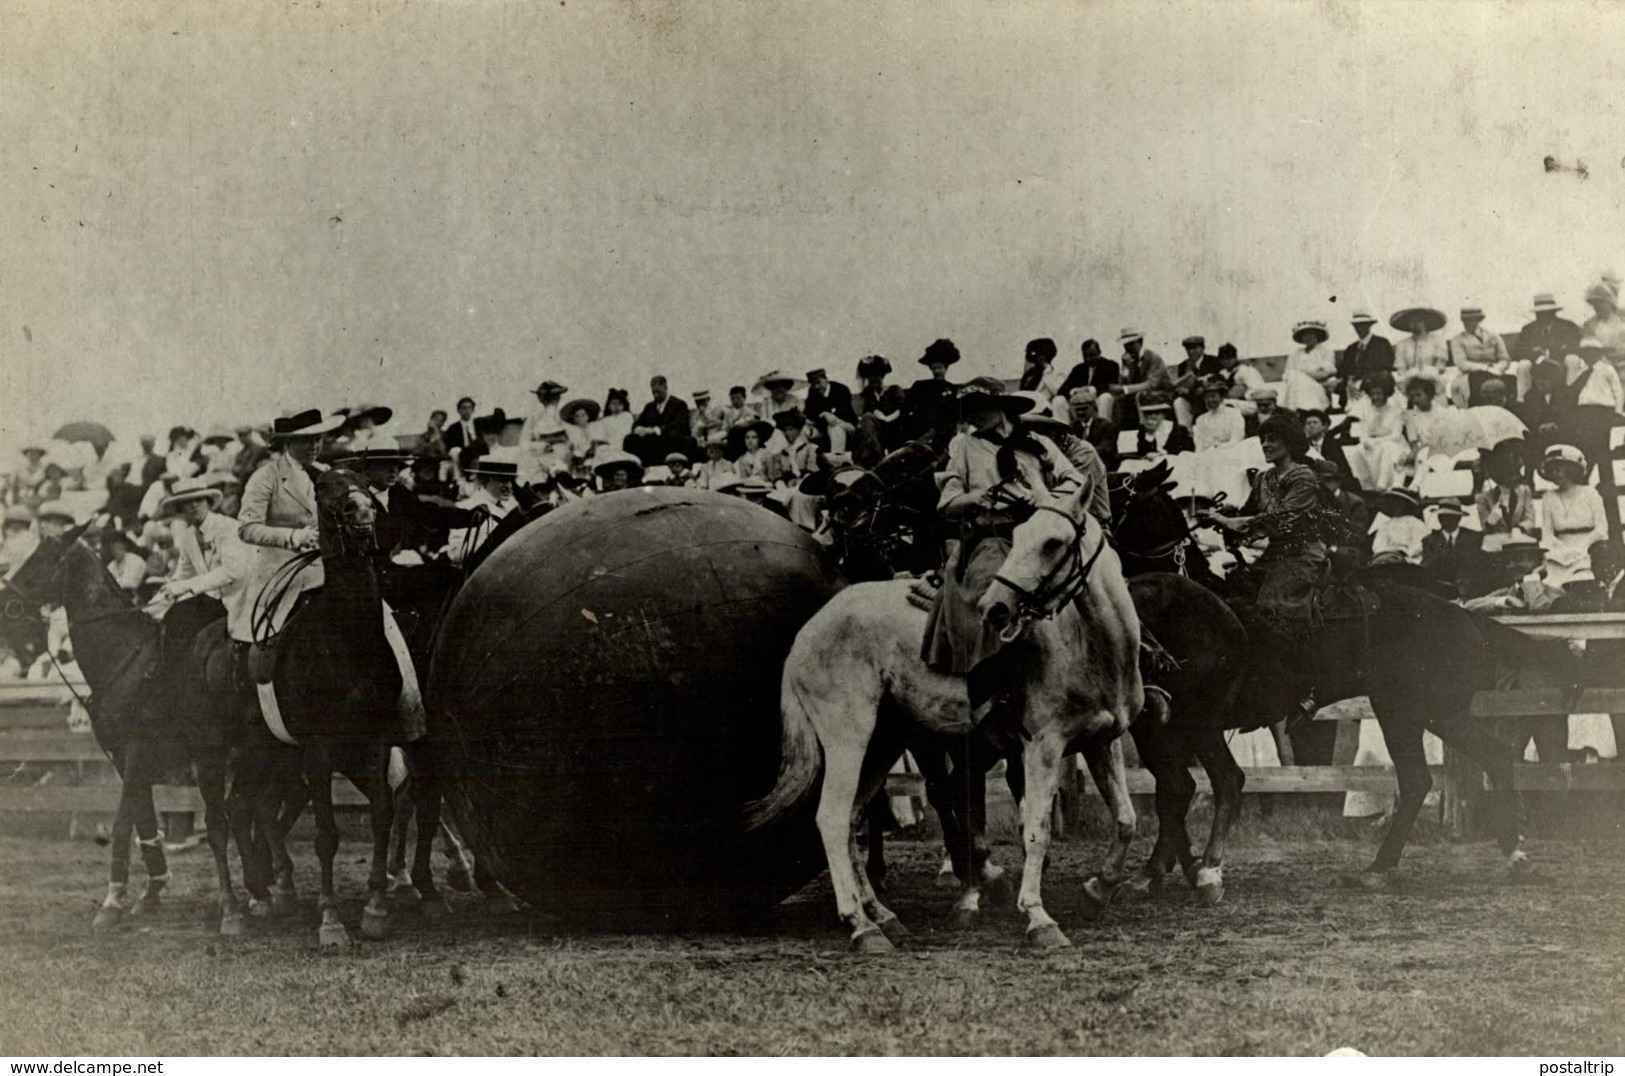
x=259, y=909
x=1048, y=936
x=895, y=931
x=147, y=905
x=435, y=908
x=997, y=889
x=399, y=880
x=1096, y=898
x=108, y=916
x=966, y=918
x=332, y=937
x=374, y=924
x=945, y=876
x=232, y=925
x=1209, y=886
x=872, y=941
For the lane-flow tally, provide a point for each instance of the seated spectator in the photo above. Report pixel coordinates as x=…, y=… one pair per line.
x=578, y=416
x=1571, y=516
x=1366, y=356
x=1477, y=356
x=1453, y=553
x=739, y=412
x=798, y=454
x=1516, y=575
x=707, y=418
x=1495, y=422
x=754, y=462
x=662, y=426
x=618, y=471
x=1546, y=409
x=717, y=465
x=1421, y=350
x=681, y=469
x=1400, y=528
x=1324, y=445
x=829, y=404
x=127, y=566
x=1507, y=502
x=1097, y=372
x=1599, y=400
x=872, y=373
x=1351, y=549
x=1219, y=424
x=1311, y=371
x=1241, y=378
x=1159, y=435
x=1089, y=425
x=1038, y=372
x=1431, y=426
x=613, y=427
x=1548, y=336
x=776, y=392
x=432, y=442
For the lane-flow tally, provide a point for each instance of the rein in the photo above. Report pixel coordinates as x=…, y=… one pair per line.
x=1060, y=585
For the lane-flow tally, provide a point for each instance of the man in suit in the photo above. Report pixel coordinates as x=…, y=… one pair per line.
x=662, y=426
x=1325, y=445
x=1548, y=336
x=824, y=395
x=461, y=434
x=1086, y=420
x=1097, y=372
x=1366, y=356
x=1144, y=371
x=1453, y=554
x=404, y=521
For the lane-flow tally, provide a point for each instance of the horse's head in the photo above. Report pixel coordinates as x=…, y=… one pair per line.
x=1146, y=520
x=1048, y=565
x=63, y=571
x=345, y=512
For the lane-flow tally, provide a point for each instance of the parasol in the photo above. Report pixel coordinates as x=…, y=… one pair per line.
x=93, y=432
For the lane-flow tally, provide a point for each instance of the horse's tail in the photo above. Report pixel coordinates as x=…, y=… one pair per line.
x=801, y=757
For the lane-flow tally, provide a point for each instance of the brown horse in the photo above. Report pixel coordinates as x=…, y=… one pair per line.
x=137, y=713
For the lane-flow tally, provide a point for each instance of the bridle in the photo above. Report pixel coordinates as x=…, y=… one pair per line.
x=1060, y=585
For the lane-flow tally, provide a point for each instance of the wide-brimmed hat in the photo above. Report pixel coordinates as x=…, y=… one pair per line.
x=1041, y=350
x=219, y=433
x=778, y=377
x=718, y=438
x=1602, y=290
x=941, y=350
x=790, y=418
x=1556, y=455
x=1590, y=343
x=1155, y=401
x=614, y=461
x=1434, y=320
x=1039, y=417
x=55, y=510
x=189, y=489
x=549, y=388
x=1399, y=501
x=1362, y=316
x=383, y=449
x=1128, y=334
x=764, y=429
x=494, y=465
x=1310, y=327
x=873, y=366
x=19, y=513
x=304, y=424
x=985, y=391
x=1544, y=301
x=377, y=412
x=1263, y=392
x=593, y=410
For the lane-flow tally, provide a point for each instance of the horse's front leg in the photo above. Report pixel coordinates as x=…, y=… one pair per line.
x=1041, y=767
x=1106, y=767
x=319, y=774
x=111, y=912
x=374, y=781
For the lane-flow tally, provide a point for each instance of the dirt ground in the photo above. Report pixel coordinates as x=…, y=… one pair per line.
x=1452, y=961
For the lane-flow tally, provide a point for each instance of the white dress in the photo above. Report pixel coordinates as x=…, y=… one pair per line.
x=1301, y=388
x=1570, y=521
x=1377, y=459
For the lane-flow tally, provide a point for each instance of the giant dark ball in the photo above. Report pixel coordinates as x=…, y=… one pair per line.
x=604, y=697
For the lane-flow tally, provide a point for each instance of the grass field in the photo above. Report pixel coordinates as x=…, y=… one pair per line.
x=1452, y=961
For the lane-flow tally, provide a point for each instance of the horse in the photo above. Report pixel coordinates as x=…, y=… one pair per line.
x=138, y=709
x=854, y=682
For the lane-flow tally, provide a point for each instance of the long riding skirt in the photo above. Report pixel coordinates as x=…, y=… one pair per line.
x=956, y=640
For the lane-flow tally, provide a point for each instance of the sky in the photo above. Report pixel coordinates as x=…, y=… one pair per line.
x=221, y=212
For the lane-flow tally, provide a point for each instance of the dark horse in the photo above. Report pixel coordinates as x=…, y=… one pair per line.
x=139, y=710
x=338, y=690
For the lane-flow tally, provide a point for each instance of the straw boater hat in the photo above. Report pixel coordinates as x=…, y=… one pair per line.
x=1451, y=508
x=1545, y=302
x=1130, y=334
x=549, y=389
x=1589, y=343
x=186, y=490
x=1471, y=311
x=304, y=424
x=982, y=391
x=1556, y=456
x=593, y=410
x=700, y=396
x=718, y=438
x=1310, y=327
x=1362, y=316
x=19, y=513
x=1263, y=392
x=1434, y=319
x=383, y=449
x=674, y=458
x=751, y=487
x=494, y=465
x=1155, y=401
x=219, y=433
x=766, y=382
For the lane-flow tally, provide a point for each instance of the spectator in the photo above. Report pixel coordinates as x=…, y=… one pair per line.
x=826, y=397
x=1571, y=516
x=1547, y=337
x=1323, y=445
x=1454, y=554
x=707, y=418
x=1400, y=528
x=1351, y=549
x=1495, y=422
x=1097, y=372
x=1606, y=324
x=1366, y=356
x=716, y=465
x=1477, y=355
x=127, y=567
x=1142, y=371
x=1159, y=434
x=797, y=454
x=432, y=442
x=1089, y=425
x=931, y=403
x=493, y=473
x=1219, y=424
x=738, y=413
x=181, y=460
x=1432, y=426
x=152, y=464
x=681, y=469
x=662, y=426
x=1266, y=402
x=1038, y=372
x=872, y=373
x=488, y=429
x=1517, y=575
x=18, y=539
x=776, y=394
x=1421, y=350
x=1546, y=410
x=579, y=415
x=461, y=434
x=546, y=443
x=754, y=462
x=615, y=426
x=1240, y=379
x=1311, y=371
x=1507, y=502
x=617, y=471
x=29, y=476
x=1594, y=387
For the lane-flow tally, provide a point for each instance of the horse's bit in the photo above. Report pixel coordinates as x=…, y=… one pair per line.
x=1061, y=584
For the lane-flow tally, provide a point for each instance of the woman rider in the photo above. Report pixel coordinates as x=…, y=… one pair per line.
x=997, y=472
x=1284, y=507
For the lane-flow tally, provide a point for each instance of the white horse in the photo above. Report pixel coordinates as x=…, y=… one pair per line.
x=854, y=675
